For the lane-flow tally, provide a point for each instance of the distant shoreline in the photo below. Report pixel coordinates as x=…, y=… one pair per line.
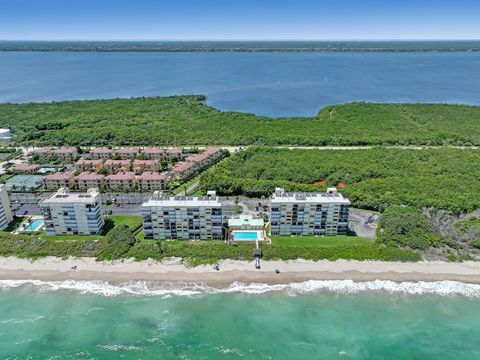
x=241, y=46
x=87, y=269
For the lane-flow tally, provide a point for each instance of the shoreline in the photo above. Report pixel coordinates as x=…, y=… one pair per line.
x=173, y=271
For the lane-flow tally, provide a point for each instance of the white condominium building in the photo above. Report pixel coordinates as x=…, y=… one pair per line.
x=68, y=213
x=6, y=215
x=309, y=213
x=168, y=217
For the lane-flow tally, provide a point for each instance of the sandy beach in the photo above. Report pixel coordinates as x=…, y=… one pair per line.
x=56, y=269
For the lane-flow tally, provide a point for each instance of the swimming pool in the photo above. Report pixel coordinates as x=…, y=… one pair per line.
x=245, y=235
x=34, y=226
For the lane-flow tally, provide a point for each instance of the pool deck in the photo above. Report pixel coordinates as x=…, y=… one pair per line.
x=23, y=228
x=260, y=235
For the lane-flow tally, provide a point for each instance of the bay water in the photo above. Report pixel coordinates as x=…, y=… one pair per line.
x=274, y=84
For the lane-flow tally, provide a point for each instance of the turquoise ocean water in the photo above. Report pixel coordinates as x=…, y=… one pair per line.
x=313, y=320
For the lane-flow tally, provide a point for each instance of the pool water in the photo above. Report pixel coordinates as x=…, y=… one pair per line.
x=253, y=235
x=35, y=225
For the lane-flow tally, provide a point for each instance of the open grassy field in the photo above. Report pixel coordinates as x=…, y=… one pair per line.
x=133, y=222
x=323, y=241
x=186, y=120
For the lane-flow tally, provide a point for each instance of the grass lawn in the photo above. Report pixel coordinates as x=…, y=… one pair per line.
x=321, y=241
x=133, y=222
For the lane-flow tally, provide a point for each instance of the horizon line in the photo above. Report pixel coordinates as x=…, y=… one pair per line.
x=233, y=40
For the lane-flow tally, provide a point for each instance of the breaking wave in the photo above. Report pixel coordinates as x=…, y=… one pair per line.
x=167, y=289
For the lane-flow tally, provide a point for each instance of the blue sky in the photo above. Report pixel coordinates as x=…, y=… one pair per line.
x=238, y=20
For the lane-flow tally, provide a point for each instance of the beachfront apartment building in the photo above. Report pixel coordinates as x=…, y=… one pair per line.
x=88, y=180
x=68, y=213
x=88, y=165
x=58, y=180
x=169, y=217
x=6, y=214
x=309, y=214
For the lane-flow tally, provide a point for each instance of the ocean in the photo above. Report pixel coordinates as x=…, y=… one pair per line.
x=273, y=84
x=311, y=320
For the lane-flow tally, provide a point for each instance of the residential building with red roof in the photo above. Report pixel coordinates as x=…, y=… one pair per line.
x=58, y=180
x=101, y=153
x=25, y=168
x=66, y=153
x=121, y=181
x=116, y=166
x=87, y=180
x=139, y=166
x=88, y=165
x=127, y=153
x=151, y=181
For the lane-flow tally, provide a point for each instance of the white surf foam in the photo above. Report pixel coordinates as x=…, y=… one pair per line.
x=103, y=288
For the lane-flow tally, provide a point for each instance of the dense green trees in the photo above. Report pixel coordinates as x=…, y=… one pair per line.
x=118, y=242
x=407, y=226
x=374, y=179
x=186, y=120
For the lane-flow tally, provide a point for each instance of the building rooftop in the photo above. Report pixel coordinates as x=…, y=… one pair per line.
x=25, y=167
x=101, y=150
x=128, y=150
x=59, y=176
x=166, y=200
x=331, y=196
x=174, y=150
x=153, y=150
x=118, y=162
x=150, y=175
x=66, y=150
x=42, y=150
x=122, y=176
x=182, y=166
x=89, y=162
x=89, y=176
x=245, y=220
x=145, y=162
x=64, y=196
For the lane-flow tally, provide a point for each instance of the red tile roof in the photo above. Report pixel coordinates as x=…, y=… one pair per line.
x=122, y=176
x=182, y=166
x=59, y=176
x=89, y=176
x=89, y=162
x=25, y=167
x=101, y=151
x=150, y=175
x=118, y=163
x=130, y=150
x=66, y=150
